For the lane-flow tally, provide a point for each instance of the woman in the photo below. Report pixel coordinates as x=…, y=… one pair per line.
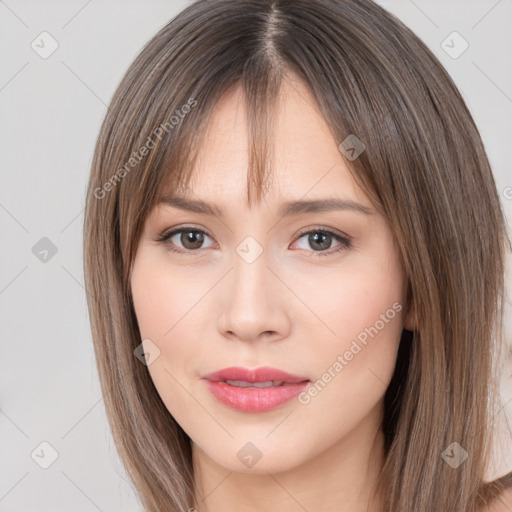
x=294, y=258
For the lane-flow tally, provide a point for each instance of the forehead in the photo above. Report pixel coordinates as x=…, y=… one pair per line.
x=306, y=159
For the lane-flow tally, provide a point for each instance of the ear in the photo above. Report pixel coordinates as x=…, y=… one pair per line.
x=410, y=319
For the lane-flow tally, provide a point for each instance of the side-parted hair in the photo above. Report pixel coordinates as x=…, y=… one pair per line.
x=424, y=168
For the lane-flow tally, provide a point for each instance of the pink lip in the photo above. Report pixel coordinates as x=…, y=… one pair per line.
x=250, y=399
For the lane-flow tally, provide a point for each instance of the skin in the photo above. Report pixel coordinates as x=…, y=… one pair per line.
x=289, y=309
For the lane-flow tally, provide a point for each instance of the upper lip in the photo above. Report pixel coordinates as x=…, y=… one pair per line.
x=262, y=374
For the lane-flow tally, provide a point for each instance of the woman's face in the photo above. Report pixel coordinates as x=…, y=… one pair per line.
x=252, y=288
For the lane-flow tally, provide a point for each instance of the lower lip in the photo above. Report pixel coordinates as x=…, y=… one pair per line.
x=254, y=399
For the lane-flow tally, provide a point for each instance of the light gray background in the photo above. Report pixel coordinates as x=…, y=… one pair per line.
x=50, y=114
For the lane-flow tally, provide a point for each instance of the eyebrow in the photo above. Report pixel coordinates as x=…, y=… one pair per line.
x=287, y=209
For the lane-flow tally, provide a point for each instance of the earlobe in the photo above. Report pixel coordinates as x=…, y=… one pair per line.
x=410, y=318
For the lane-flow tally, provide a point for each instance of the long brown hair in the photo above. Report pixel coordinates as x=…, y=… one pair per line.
x=424, y=167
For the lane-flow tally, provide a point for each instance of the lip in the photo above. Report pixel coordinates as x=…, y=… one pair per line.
x=251, y=399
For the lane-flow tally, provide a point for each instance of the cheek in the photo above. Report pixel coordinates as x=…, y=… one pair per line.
x=369, y=308
x=169, y=304
x=349, y=299
x=164, y=306
x=163, y=296
x=359, y=320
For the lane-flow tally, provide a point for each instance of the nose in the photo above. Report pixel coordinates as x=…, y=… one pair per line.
x=254, y=302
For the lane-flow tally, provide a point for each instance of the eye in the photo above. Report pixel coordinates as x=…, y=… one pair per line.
x=321, y=239
x=191, y=239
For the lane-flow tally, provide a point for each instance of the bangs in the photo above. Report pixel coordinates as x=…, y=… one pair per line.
x=260, y=88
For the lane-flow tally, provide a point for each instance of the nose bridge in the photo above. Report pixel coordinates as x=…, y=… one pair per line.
x=250, y=276
x=252, y=303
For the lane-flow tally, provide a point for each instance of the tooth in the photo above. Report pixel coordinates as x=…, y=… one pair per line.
x=244, y=384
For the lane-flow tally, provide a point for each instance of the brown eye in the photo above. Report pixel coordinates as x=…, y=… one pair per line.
x=184, y=240
x=320, y=241
x=191, y=239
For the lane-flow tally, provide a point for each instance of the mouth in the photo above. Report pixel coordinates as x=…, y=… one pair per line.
x=256, y=390
x=245, y=384
x=264, y=374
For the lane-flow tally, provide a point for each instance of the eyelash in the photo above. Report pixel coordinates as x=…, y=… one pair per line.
x=345, y=242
